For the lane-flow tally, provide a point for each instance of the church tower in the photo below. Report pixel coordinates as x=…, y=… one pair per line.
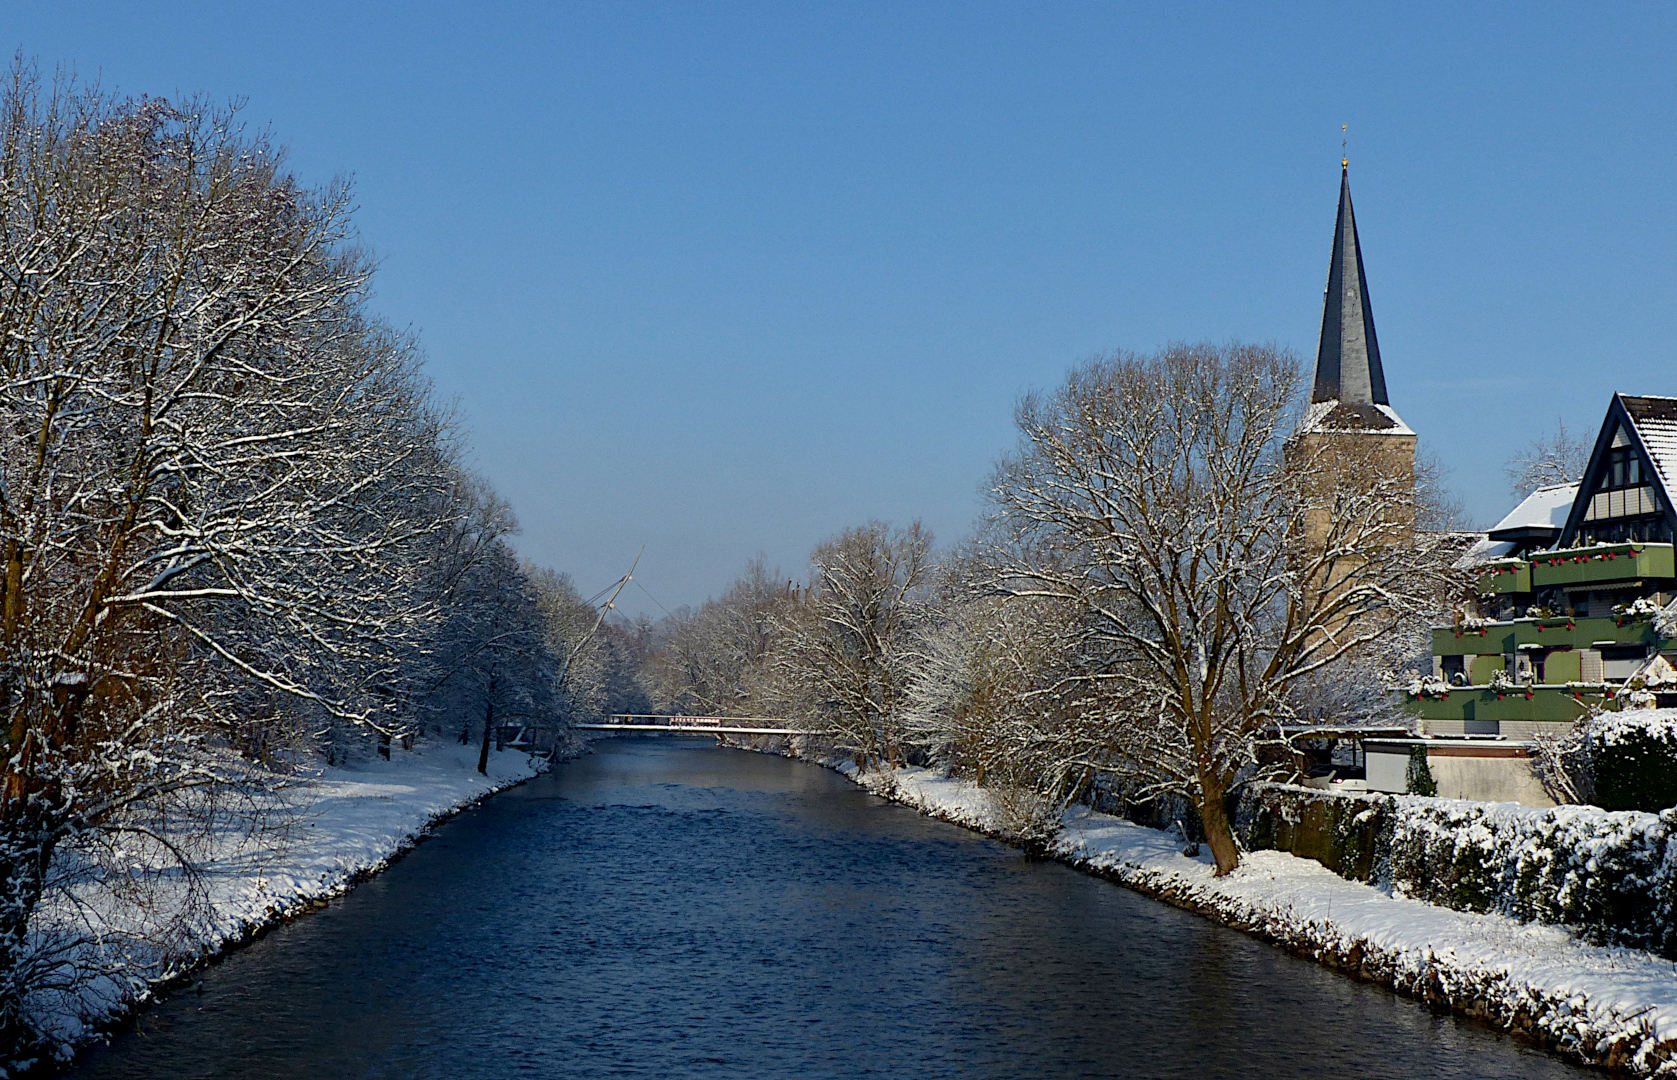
x=1350, y=436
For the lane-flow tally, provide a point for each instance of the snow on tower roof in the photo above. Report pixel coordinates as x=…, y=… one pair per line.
x=1363, y=419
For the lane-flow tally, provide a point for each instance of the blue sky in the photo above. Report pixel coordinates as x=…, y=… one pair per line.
x=726, y=278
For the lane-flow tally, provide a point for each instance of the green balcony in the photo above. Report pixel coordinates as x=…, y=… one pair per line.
x=1581, y=633
x=1556, y=704
x=1493, y=639
x=1503, y=578
x=1559, y=630
x=1593, y=565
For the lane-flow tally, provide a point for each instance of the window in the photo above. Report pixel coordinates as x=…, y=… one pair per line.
x=1624, y=505
x=1624, y=469
x=1619, y=663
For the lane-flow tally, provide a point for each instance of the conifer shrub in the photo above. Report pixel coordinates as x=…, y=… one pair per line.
x=1616, y=760
x=1418, y=777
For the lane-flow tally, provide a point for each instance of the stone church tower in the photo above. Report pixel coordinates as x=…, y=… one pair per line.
x=1350, y=436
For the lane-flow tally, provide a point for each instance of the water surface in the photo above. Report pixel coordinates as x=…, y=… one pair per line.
x=667, y=908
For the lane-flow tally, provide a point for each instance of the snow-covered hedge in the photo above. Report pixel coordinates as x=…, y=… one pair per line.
x=1633, y=759
x=1616, y=760
x=1611, y=875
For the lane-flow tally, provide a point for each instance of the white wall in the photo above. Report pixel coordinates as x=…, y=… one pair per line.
x=1487, y=779
x=1388, y=771
x=1482, y=779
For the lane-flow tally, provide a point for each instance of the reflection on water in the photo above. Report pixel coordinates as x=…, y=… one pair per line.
x=671, y=909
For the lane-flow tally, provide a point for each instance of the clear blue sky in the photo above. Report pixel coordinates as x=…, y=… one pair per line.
x=726, y=278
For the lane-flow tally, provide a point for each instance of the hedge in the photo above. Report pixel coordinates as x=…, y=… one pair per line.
x=1633, y=760
x=1610, y=875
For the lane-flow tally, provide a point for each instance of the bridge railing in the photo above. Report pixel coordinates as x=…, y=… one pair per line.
x=701, y=721
x=721, y=725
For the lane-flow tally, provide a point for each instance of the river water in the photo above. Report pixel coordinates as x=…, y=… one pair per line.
x=667, y=908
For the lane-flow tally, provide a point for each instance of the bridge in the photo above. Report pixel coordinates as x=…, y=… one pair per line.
x=699, y=725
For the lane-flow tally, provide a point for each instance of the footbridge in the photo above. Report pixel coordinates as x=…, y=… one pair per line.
x=700, y=725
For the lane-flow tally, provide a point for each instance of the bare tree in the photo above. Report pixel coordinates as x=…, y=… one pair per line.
x=602, y=664
x=492, y=655
x=848, y=645
x=999, y=691
x=718, y=660
x=1557, y=458
x=217, y=473
x=1212, y=571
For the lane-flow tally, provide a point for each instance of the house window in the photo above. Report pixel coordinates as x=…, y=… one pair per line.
x=1653, y=529
x=1620, y=663
x=1624, y=505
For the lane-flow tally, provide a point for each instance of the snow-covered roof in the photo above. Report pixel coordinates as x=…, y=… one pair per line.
x=1340, y=416
x=1545, y=508
x=1652, y=423
x=1656, y=421
x=1484, y=551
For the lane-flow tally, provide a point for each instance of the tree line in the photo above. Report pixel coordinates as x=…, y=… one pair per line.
x=237, y=537
x=1164, y=578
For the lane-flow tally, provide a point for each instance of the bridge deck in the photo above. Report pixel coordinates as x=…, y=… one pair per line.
x=671, y=729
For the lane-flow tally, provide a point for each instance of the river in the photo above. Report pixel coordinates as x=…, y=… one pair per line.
x=667, y=908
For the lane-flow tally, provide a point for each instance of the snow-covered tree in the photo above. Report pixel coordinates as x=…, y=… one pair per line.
x=1556, y=458
x=218, y=474
x=1211, y=571
x=718, y=660
x=600, y=664
x=998, y=690
x=492, y=664
x=846, y=647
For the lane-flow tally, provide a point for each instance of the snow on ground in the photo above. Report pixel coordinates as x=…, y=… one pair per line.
x=340, y=825
x=1609, y=1006
x=352, y=820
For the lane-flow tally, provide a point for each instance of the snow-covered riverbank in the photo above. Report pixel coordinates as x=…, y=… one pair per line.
x=1606, y=1006
x=341, y=826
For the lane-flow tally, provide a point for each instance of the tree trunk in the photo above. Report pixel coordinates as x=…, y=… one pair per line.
x=1219, y=835
x=488, y=723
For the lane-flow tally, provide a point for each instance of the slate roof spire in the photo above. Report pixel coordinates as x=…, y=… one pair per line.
x=1348, y=354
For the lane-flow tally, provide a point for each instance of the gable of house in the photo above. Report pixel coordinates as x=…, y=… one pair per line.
x=1625, y=493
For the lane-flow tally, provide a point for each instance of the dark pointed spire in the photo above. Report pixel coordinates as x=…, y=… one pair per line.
x=1348, y=355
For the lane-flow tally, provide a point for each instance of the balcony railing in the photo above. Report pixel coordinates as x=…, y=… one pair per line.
x=1487, y=639
x=1581, y=633
x=1611, y=562
x=1502, y=578
x=1552, y=632
x=1558, y=704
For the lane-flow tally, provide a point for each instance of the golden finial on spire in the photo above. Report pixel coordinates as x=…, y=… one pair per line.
x=1344, y=156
